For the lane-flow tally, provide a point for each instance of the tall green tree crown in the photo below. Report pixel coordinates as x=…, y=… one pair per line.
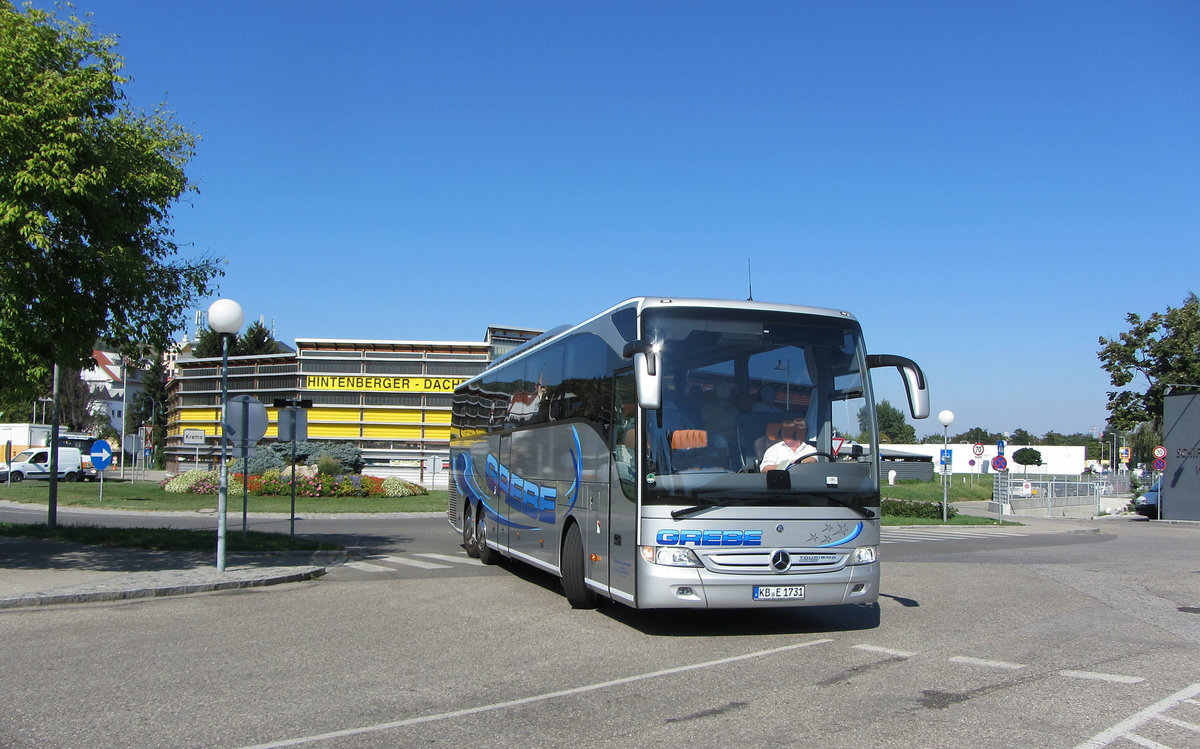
x=1162, y=350
x=86, y=186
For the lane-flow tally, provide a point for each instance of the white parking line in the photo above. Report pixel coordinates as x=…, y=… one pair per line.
x=1114, y=678
x=989, y=664
x=535, y=698
x=1124, y=728
x=885, y=651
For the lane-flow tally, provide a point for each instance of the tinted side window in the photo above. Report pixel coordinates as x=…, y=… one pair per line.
x=587, y=383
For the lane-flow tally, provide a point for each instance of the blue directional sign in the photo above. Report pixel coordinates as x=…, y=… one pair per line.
x=101, y=455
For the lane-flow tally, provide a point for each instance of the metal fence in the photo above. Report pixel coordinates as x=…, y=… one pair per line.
x=1061, y=495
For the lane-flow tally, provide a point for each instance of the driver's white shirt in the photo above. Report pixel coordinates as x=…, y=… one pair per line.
x=781, y=453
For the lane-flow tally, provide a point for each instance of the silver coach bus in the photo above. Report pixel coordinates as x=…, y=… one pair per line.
x=637, y=456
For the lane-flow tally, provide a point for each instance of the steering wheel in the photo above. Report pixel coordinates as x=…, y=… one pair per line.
x=817, y=454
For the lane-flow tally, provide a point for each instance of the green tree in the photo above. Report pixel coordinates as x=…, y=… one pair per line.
x=152, y=406
x=892, y=426
x=255, y=339
x=1022, y=437
x=1027, y=456
x=1156, y=352
x=86, y=185
x=1142, y=441
x=974, y=434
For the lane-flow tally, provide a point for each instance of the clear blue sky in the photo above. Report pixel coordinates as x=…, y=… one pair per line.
x=988, y=187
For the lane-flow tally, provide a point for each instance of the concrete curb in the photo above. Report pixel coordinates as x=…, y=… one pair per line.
x=166, y=583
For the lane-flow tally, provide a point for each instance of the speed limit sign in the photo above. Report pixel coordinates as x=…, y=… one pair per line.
x=978, y=449
x=1160, y=452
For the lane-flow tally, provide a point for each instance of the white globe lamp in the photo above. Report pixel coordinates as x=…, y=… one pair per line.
x=225, y=317
x=945, y=418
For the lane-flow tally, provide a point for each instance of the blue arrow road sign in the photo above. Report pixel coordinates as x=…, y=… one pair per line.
x=101, y=455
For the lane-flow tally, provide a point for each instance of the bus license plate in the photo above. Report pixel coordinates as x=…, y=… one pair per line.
x=778, y=592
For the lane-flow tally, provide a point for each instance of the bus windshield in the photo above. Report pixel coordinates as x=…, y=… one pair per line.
x=759, y=407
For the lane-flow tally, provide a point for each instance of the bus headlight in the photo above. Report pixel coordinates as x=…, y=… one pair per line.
x=670, y=556
x=864, y=555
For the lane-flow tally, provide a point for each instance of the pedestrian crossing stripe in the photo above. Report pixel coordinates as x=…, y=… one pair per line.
x=912, y=535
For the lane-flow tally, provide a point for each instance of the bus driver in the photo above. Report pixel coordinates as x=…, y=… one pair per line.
x=791, y=447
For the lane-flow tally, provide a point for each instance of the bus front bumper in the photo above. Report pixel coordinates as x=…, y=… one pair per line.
x=696, y=587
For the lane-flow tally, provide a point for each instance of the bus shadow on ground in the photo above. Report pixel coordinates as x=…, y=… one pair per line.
x=748, y=621
x=723, y=622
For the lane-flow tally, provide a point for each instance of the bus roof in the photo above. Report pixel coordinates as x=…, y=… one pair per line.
x=646, y=302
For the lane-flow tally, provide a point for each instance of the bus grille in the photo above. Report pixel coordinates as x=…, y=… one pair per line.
x=801, y=561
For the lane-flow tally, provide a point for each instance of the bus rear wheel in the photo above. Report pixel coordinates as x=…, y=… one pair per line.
x=487, y=554
x=573, y=567
x=470, y=542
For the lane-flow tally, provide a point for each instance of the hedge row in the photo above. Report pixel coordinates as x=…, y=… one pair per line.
x=907, y=508
x=271, y=484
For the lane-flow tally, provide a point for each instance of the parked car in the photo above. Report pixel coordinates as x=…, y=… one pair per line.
x=34, y=463
x=1147, y=504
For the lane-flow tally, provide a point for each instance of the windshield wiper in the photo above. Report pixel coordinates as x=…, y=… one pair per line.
x=729, y=502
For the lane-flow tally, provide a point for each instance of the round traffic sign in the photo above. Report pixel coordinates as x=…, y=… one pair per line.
x=999, y=463
x=101, y=455
x=1160, y=452
x=1160, y=464
x=978, y=449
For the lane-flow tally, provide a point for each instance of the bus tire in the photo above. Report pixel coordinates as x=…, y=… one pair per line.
x=468, y=531
x=573, y=565
x=487, y=554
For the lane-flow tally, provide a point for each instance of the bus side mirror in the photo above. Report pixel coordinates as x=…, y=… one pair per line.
x=645, y=374
x=914, y=381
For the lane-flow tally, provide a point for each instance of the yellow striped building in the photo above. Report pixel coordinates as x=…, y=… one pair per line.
x=391, y=399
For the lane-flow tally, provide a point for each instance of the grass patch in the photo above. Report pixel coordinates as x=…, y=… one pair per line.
x=962, y=489
x=164, y=539
x=133, y=495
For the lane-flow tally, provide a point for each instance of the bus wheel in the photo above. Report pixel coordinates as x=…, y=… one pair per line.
x=468, y=525
x=487, y=554
x=579, y=595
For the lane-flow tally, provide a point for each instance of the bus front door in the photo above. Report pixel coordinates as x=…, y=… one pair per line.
x=622, y=489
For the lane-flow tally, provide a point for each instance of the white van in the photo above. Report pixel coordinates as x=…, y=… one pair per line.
x=34, y=463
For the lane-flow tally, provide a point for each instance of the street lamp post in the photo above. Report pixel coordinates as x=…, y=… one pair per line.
x=945, y=418
x=225, y=318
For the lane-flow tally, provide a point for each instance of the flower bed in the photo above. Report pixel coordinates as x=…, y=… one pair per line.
x=273, y=484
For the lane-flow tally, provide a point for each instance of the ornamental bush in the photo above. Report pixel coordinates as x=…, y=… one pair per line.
x=907, y=508
x=182, y=484
x=349, y=456
x=263, y=461
x=394, y=486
